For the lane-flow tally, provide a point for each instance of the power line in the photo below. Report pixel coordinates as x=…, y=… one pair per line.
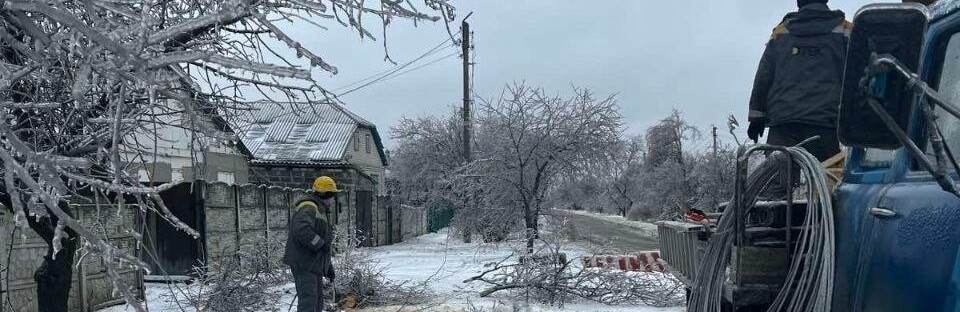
x=413, y=69
x=382, y=78
x=439, y=47
x=388, y=71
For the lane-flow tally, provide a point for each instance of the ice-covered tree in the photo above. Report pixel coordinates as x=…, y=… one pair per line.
x=429, y=149
x=77, y=78
x=667, y=184
x=526, y=139
x=624, y=167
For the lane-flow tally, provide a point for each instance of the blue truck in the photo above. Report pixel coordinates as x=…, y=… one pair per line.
x=895, y=212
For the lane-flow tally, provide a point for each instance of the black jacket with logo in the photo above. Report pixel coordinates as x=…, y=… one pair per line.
x=800, y=75
x=309, y=237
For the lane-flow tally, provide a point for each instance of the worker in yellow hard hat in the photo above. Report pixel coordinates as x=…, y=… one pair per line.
x=309, y=238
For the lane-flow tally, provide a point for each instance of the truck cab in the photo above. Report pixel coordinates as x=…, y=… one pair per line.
x=896, y=209
x=897, y=231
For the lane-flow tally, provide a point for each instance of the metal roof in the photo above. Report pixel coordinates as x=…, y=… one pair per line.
x=299, y=132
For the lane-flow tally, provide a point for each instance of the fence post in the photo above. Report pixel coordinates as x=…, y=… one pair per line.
x=82, y=272
x=351, y=232
x=3, y=261
x=266, y=214
x=200, y=213
x=236, y=216
x=287, y=203
x=141, y=225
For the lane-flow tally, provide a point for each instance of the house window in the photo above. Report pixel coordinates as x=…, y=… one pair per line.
x=356, y=142
x=226, y=177
x=366, y=141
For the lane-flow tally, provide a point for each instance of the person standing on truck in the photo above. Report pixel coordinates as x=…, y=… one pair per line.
x=309, y=238
x=796, y=92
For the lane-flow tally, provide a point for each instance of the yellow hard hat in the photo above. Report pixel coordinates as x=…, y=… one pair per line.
x=325, y=184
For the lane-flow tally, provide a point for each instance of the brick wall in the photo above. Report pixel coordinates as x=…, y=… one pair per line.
x=91, y=285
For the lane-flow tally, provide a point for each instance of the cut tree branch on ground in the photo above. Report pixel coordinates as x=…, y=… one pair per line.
x=548, y=276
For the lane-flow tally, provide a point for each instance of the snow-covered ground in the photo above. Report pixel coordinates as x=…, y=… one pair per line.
x=647, y=227
x=446, y=262
x=440, y=261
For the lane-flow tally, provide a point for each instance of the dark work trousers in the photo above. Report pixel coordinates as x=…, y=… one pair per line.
x=791, y=134
x=309, y=290
x=823, y=148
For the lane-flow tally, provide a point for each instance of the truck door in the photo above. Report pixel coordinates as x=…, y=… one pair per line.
x=867, y=176
x=906, y=229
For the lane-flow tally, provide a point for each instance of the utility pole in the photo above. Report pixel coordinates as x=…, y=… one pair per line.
x=714, y=141
x=715, y=201
x=465, y=45
x=467, y=124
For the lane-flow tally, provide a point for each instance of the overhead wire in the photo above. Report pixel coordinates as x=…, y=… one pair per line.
x=388, y=76
x=389, y=73
x=365, y=82
x=422, y=66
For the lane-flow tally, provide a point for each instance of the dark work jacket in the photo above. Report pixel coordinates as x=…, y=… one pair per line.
x=309, y=238
x=800, y=74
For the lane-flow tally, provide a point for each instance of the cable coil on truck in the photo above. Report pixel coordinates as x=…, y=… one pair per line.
x=809, y=279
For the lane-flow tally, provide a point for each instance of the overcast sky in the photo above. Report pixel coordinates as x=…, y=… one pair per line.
x=696, y=55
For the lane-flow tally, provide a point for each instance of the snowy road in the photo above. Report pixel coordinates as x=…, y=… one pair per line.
x=610, y=233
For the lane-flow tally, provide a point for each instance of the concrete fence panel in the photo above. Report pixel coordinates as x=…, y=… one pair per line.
x=22, y=252
x=222, y=221
x=252, y=218
x=277, y=213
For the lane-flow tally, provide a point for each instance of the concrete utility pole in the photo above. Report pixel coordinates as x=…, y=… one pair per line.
x=714, y=141
x=465, y=45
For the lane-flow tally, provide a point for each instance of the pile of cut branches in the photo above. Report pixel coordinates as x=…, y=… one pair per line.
x=361, y=279
x=546, y=275
x=248, y=282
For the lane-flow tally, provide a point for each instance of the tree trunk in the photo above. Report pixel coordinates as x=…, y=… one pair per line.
x=54, y=278
x=530, y=223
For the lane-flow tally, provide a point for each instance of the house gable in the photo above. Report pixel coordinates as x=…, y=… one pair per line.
x=181, y=154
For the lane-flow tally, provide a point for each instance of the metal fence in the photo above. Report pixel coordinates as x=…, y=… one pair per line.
x=680, y=247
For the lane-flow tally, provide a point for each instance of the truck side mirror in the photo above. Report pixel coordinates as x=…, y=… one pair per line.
x=889, y=29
